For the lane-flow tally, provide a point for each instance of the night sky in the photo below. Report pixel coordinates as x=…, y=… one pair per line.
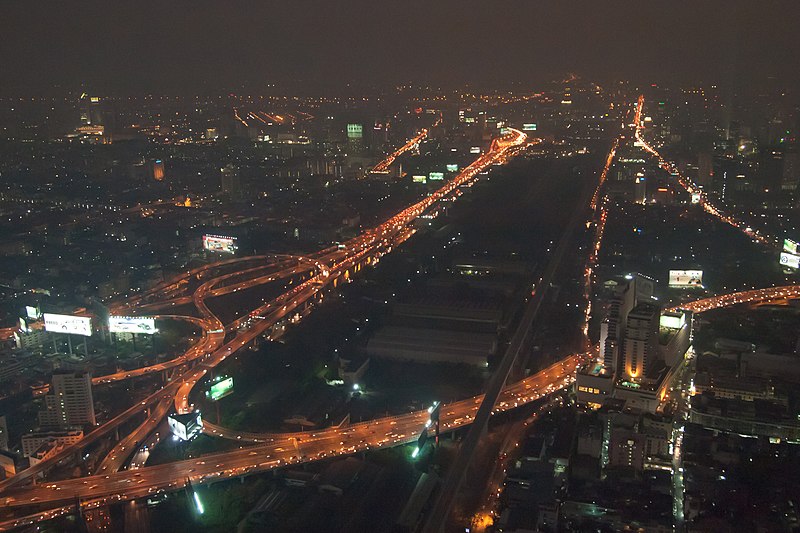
x=200, y=46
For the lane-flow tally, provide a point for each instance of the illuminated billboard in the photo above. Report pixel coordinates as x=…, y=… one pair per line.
x=436, y=176
x=790, y=260
x=790, y=257
x=672, y=320
x=452, y=168
x=685, y=278
x=132, y=324
x=475, y=150
x=530, y=126
x=219, y=243
x=695, y=197
x=185, y=427
x=32, y=312
x=220, y=389
x=77, y=325
x=419, y=179
x=355, y=131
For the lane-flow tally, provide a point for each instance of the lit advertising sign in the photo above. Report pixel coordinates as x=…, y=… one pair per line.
x=475, y=150
x=218, y=243
x=672, y=321
x=220, y=389
x=132, y=324
x=695, y=197
x=419, y=179
x=77, y=325
x=355, y=131
x=530, y=126
x=790, y=260
x=685, y=278
x=452, y=168
x=436, y=176
x=32, y=312
x=790, y=257
x=185, y=427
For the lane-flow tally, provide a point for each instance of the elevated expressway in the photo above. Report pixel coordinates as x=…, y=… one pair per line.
x=332, y=264
x=279, y=450
x=49, y=500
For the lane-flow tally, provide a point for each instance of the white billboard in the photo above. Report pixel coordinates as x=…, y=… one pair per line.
x=132, y=324
x=685, y=278
x=790, y=260
x=32, y=312
x=219, y=243
x=77, y=325
x=185, y=427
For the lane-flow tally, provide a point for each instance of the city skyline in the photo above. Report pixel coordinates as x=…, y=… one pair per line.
x=400, y=268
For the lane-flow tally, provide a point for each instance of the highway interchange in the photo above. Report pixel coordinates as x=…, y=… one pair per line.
x=307, y=277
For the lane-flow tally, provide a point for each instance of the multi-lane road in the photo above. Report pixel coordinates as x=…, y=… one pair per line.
x=329, y=266
x=270, y=451
x=281, y=450
x=694, y=190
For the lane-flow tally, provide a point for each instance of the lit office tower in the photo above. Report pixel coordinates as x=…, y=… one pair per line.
x=640, y=344
x=91, y=112
x=157, y=166
x=355, y=139
x=705, y=169
x=633, y=290
x=640, y=189
x=69, y=402
x=3, y=433
x=790, y=175
x=231, y=182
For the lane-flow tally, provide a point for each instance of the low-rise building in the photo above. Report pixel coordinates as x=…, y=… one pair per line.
x=32, y=441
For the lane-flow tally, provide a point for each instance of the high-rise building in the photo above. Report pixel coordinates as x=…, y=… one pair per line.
x=635, y=289
x=70, y=402
x=355, y=139
x=3, y=433
x=95, y=121
x=157, y=169
x=91, y=111
x=705, y=169
x=640, y=189
x=231, y=182
x=790, y=176
x=640, y=341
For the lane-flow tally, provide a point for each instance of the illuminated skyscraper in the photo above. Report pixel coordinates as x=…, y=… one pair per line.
x=640, y=341
x=70, y=402
x=157, y=167
x=91, y=113
x=3, y=434
x=705, y=169
x=231, y=182
x=640, y=189
x=790, y=176
x=627, y=295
